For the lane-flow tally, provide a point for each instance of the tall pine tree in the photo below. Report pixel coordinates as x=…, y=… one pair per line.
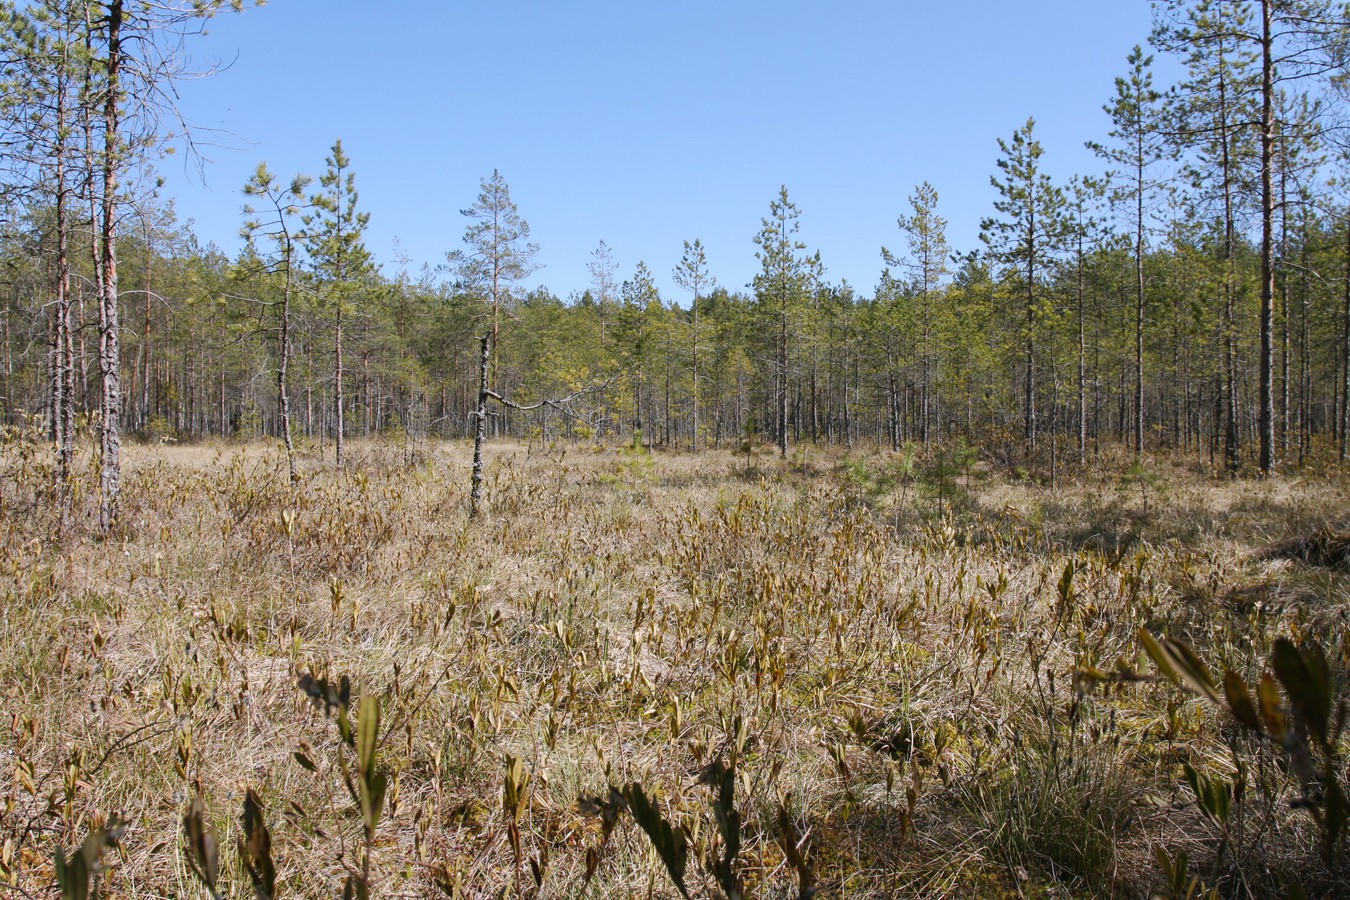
x=333, y=238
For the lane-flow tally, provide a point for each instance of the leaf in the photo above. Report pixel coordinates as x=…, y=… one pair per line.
x=1240, y=700
x=202, y=844
x=345, y=727
x=1155, y=653
x=788, y=840
x=669, y=843
x=1179, y=663
x=1307, y=682
x=609, y=811
x=729, y=824
x=539, y=866
x=1211, y=794
x=1337, y=815
x=255, y=849
x=1175, y=870
x=514, y=795
x=372, y=801
x=72, y=875
x=1272, y=715
x=1164, y=863
x=1065, y=586
x=367, y=733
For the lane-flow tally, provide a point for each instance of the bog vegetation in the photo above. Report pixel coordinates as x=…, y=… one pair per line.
x=841, y=674
x=1023, y=573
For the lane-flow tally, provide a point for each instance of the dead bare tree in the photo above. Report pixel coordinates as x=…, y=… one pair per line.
x=480, y=414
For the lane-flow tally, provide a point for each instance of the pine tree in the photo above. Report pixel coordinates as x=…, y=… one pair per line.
x=640, y=321
x=1084, y=233
x=273, y=219
x=138, y=47
x=602, y=268
x=333, y=239
x=926, y=235
x=1140, y=145
x=1025, y=241
x=44, y=68
x=785, y=279
x=1239, y=53
x=499, y=253
x=692, y=275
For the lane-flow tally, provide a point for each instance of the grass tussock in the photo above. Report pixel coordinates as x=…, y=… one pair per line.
x=855, y=675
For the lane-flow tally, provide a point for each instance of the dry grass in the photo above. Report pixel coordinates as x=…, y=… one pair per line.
x=886, y=655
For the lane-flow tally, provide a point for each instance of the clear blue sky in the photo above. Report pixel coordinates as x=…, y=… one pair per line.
x=644, y=124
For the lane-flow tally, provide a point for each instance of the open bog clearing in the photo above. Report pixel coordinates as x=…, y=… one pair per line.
x=855, y=675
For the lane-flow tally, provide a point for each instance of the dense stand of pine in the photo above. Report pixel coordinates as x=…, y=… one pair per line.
x=905, y=364
x=1195, y=299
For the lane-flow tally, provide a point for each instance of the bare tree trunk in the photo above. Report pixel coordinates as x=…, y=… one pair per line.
x=1304, y=356
x=1286, y=412
x=337, y=385
x=1082, y=360
x=109, y=354
x=367, y=387
x=815, y=407
x=145, y=337
x=63, y=378
x=1029, y=394
x=1345, y=351
x=1266, y=437
x=283, y=388
x=694, y=312
x=9, y=370
x=667, y=437
x=782, y=376
x=1139, y=304
x=893, y=410
x=480, y=428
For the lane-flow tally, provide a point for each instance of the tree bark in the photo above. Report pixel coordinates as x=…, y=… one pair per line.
x=480, y=428
x=109, y=355
x=340, y=426
x=1266, y=437
x=283, y=388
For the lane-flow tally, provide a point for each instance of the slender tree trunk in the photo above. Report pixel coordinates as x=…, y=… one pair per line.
x=480, y=429
x=1082, y=360
x=340, y=427
x=1139, y=301
x=1286, y=413
x=1029, y=395
x=110, y=366
x=367, y=386
x=1266, y=438
x=1231, y=436
x=63, y=381
x=694, y=313
x=813, y=400
x=783, y=376
x=9, y=369
x=637, y=408
x=1345, y=350
x=283, y=387
x=1304, y=356
x=145, y=411
x=893, y=409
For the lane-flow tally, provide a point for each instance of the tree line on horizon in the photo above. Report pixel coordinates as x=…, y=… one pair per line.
x=1192, y=296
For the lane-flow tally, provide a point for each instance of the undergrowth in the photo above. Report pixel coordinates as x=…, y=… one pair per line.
x=656, y=674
